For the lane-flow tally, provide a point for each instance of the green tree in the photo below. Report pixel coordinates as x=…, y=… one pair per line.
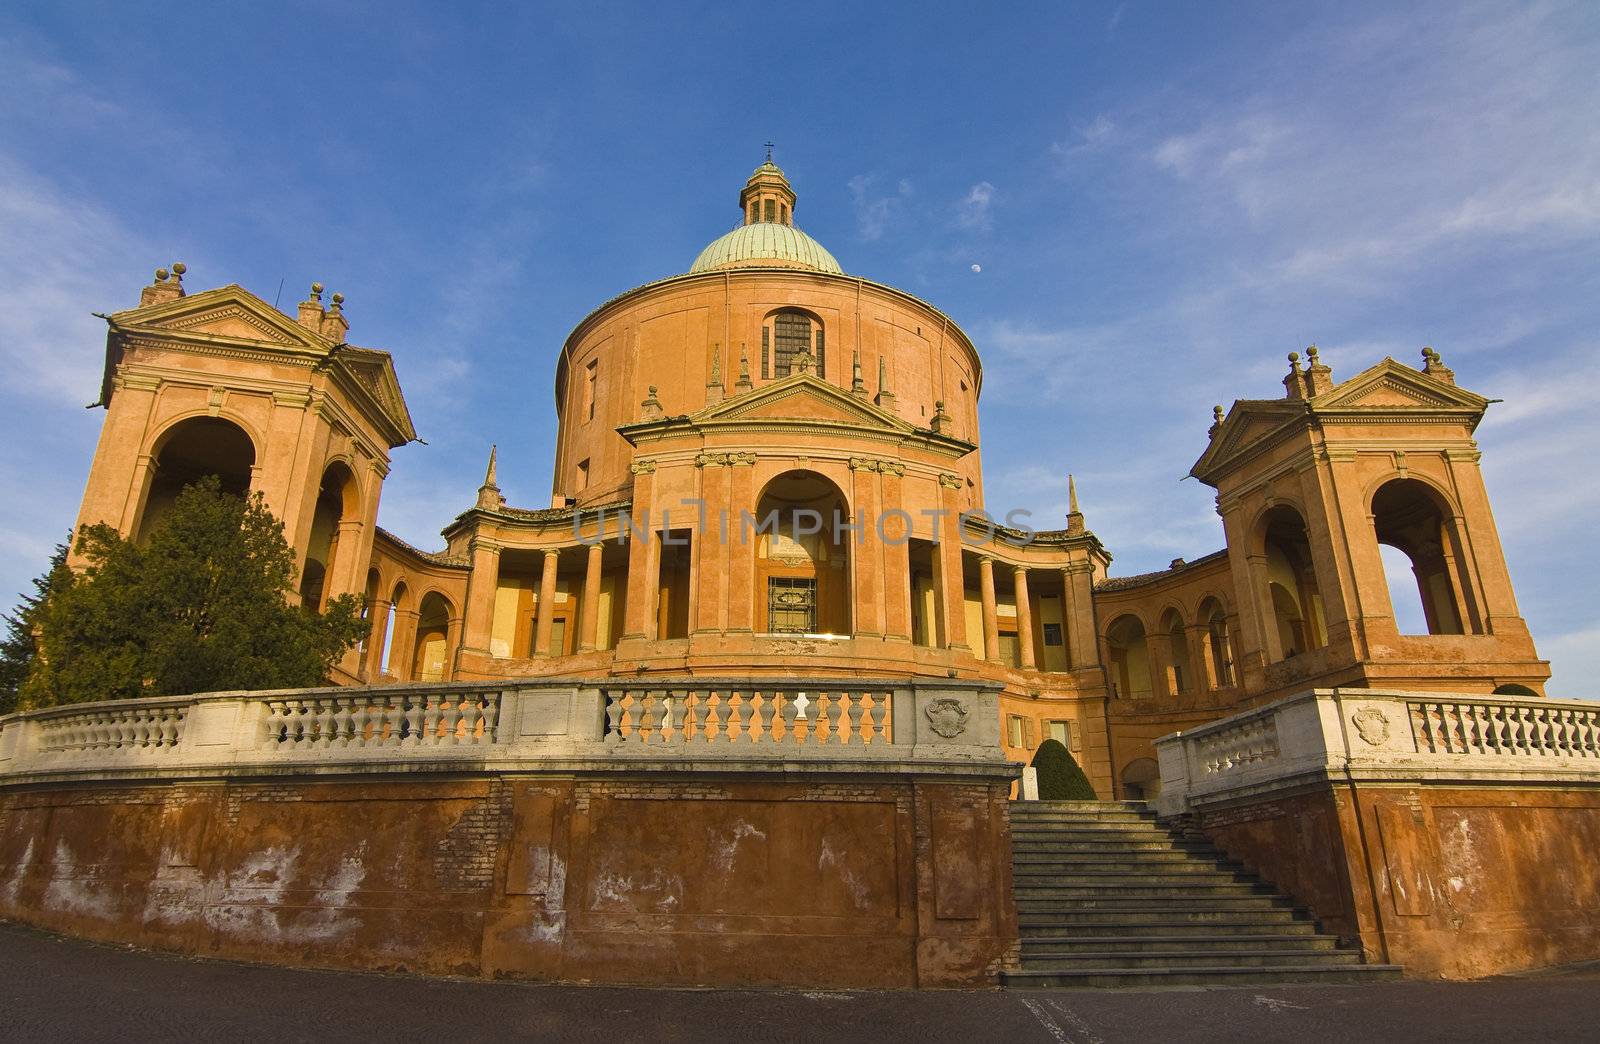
x=20, y=646
x=1060, y=778
x=198, y=607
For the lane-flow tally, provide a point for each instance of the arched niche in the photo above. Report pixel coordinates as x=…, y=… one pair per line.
x=1297, y=616
x=802, y=556
x=338, y=501
x=1129, y=655
x=786, y=333
x=1141, y=780
x=1416, y=534
x=191, y=450
x=431, y=649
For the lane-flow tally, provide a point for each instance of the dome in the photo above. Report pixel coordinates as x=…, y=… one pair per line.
x=766, y=244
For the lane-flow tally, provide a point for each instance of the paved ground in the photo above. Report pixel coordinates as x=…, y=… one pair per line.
x=53, y=989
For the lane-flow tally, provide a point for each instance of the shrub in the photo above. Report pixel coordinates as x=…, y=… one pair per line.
x=1060, y=778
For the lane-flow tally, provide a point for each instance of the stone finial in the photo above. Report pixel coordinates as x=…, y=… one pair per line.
x=166, y=287
x=1295, y=384
x=650, y=408
x=858, y=387
x=1216, y=418
x=178, y=268
x=334, y=324
x=489, y=493
x=1434, y=367
x=1319, y=377
x=1074, y=513
x=940, y=424
x=312, y=313
x=885, y=397
x=743, y=383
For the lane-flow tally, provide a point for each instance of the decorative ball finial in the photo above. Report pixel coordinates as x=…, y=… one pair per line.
x=316, y=291
x=1294, y=357
x=161, y=275
x=1216, y=413
x=652, y=391
x=338, y=299
x=1311, y=353
x=178, y=268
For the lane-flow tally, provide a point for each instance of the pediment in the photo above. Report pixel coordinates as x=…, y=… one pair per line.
x=229, y=313
x=802, y=397
x=1394, y=386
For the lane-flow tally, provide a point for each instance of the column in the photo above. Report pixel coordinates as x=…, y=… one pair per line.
x=947, y=558
x=373, y=668
x=741, y=543
x=544, y=623
x=589, y=608
x=1202, y=655
x=892, y=534
x=1019, y=576
x=866, y=560
x=644, y=557
x=452, y=647
x=709, y=568
x=344, y=572
x=1083, y=644
x=403, y=646
x=481, y=584
x=991, y=623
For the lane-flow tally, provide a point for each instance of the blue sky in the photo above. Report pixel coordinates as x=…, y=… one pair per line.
x=1164, y=199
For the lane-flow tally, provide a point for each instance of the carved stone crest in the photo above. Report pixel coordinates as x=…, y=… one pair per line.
x=1371, y=724
x=947, y=716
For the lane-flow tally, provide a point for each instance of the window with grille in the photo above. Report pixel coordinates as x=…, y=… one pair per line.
x=791, y=604
x=791, y=335
x=768, y=208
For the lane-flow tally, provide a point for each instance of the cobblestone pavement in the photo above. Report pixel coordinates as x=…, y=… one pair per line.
x=53, y=988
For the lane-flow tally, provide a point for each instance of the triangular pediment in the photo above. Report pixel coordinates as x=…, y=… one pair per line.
x=1391, y=385
x=229, y=313
x=802, y=397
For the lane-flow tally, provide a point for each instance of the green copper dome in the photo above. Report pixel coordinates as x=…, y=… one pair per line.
x=766, y=244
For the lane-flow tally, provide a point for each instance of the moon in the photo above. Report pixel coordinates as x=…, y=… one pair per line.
x=977, y=268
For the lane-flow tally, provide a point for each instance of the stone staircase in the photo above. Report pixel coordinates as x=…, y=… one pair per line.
x=1107, y=896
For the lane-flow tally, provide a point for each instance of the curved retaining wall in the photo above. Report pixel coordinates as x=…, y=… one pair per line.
x=677, y=850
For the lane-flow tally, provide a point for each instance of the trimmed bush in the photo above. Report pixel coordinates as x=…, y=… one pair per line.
x=1060, y=778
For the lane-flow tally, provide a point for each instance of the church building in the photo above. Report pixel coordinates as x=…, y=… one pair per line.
x=767, y=466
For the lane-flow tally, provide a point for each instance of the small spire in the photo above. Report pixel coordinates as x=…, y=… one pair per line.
x=650, y=408
x=941, y=419
x=1434, y=367
x=1294, y=384
x=1216, y=419
x=714, y=386
x=744, y=368
x=885, y=398
x=769, y=152
x=858, y=387
x=1074, y=514
x=1319, y=378
x=489, y=493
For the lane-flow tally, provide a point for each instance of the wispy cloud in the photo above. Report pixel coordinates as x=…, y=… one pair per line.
x=876, y=210
x=974, y=211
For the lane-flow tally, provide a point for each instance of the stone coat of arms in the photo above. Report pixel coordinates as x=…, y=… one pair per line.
x=947, y=716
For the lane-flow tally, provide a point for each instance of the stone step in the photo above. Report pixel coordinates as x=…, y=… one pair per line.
x=1090, y=819
x=1101, y=844
x=1203, y=976
x=1172, y=888
x=1078, y=806
x=1203, y=937
x=1187, y=958
x=1043, y=926
x=1066, y=913
x=1062, y=835
x=1175, y=902
x=1054, y=868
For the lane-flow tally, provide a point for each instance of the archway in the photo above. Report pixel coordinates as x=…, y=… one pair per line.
x=1218, y=645
x=432, y=646
x=1414, y=534
x=1129, y=658
x=802, y=556
x=337, y=503
x=397, y=647
x=1141, y=780
x=1181, y=676
x=188, y=451
x=785, y=336
x=1296, y=601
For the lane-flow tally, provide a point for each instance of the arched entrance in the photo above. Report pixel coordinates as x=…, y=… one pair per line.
x=802, y=557
x=1141, y=780
x=337, y=503
x=432, y=647
x=1296, y=607
x=1129, y=656
x=1415, y=536
x=188, y=451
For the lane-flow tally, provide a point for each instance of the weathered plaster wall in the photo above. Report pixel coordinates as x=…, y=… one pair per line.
x=835, y=883
x=1451, y=882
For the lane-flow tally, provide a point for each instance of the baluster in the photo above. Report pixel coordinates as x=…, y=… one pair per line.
x=660, y=705
x=855, y=711
x=723, y=712
x=491, y=718
x=747, y=713
x=880, y=701
x=613, y=709
x=835, y=712
x=431, y=715
x=679, y=712
x=699, y=715
x=768, y=712
x=789, y=710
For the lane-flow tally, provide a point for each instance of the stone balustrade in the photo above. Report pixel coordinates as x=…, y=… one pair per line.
x=813, y=724
x=1372, y=736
